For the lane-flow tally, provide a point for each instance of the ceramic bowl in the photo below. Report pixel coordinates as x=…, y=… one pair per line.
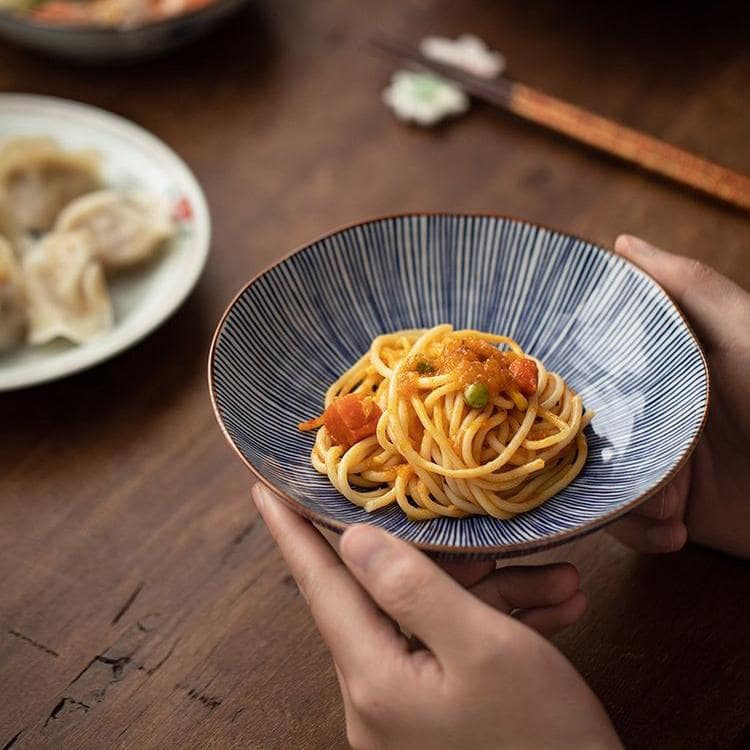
x=93, y=44
x=605, y=326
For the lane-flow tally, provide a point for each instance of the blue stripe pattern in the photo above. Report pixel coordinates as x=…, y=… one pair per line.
x=603, y=325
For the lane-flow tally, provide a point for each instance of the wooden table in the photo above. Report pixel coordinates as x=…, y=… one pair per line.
x=142, y=603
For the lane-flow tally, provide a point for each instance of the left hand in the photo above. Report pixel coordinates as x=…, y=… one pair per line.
x=544, y=597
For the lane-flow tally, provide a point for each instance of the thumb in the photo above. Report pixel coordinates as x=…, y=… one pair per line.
x=415, y=592
x=715, y=305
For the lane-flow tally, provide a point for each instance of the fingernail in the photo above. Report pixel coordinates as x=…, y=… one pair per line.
x=258, y=496
x=584, y=598
x=361, y=545
x=680, y=535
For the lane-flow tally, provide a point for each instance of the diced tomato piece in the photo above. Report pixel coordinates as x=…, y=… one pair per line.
x=351, y=418
x=62, y=12
x=524, y=372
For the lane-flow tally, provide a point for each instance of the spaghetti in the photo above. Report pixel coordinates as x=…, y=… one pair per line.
x=449, y=423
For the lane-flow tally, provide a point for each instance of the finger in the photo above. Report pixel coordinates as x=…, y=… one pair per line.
x=345, y=615
x=415, y=592
x=714, y=304
x=467, y=572
x=551, y=620
x=344, y=689
x=671, y=501
x=646, y=535
x=662, y=506
x=524, y=586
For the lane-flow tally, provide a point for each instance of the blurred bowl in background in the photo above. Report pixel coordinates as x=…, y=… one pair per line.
x=89, y=43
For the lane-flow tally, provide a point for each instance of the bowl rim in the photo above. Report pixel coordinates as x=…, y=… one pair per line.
x=83, y=29
x=492, y=552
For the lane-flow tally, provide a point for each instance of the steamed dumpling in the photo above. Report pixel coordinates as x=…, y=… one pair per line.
x=12, y=298
x=9, y=228
x=125, y=229
x=66, y=291
x=38, y=179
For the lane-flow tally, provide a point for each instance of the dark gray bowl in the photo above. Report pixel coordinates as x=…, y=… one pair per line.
x=91, y=44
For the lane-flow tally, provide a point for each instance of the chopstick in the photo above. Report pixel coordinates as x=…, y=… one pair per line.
x=577, y=123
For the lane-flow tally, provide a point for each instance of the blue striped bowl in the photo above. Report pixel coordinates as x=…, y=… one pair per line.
x=609, y=330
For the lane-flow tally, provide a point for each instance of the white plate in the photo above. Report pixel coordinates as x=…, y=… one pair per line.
x=144, y=299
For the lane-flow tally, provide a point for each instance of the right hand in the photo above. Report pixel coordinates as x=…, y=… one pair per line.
x=482, y=679
x=709, y=499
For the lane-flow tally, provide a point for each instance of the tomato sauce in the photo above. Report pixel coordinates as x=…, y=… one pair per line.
x=473, y=360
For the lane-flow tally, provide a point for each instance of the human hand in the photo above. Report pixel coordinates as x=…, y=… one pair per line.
x=707, y=501
x=483, y=680
x=544, y=597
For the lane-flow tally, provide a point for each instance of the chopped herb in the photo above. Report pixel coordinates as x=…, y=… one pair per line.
x=424, y=367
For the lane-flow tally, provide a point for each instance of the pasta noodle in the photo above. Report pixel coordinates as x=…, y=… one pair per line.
x=449, y=423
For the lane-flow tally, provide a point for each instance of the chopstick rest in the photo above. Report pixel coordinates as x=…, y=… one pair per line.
x=425, y=98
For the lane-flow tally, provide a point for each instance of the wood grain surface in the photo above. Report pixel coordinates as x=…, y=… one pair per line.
x=142, y=603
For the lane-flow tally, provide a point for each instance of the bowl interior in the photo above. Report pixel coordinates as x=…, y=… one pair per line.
x=603, y=325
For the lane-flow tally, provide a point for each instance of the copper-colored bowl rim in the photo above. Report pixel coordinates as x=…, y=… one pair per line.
x=509, y=550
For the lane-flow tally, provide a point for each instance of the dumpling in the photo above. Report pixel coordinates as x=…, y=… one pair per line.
x=125, y=229
x=12, y=298
x=38, y=179
x=66, y=291
x=9, y=228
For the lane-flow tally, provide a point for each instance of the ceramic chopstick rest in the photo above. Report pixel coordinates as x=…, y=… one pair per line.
x=425, y=98
x=468, y=52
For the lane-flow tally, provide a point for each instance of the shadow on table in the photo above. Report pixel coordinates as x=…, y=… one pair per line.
x=237, y=57
x=673, y=629
x=668, y=38
x=675, y=27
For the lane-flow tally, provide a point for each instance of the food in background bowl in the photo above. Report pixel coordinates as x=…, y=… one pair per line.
x=66, y=291
x=38, y=178
x=102, y=13
x=12, y=298
x=64, y=237
x=126, y=228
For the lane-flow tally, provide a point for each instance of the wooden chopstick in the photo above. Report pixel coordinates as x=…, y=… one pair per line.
x=594, y=130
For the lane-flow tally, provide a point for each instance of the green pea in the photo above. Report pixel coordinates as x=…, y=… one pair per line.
x=424, y=367
x=477, y=395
